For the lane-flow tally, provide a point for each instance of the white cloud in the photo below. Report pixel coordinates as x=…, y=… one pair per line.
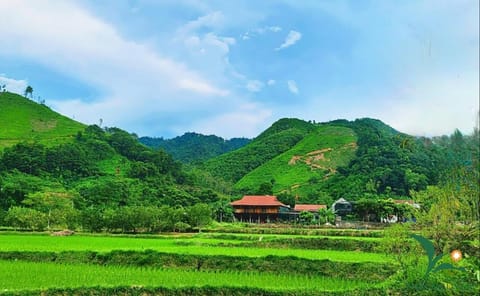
x=254, y=85
x=264, y=30
x=13, y=85
x=292, y=86
x=434, y=106
x=271, y=82
x=260, y=31
x=275, y=29
x=292, y=38
x=135, y=80
x=247, y=120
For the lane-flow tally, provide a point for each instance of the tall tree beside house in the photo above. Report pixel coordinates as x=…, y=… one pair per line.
x=326, y=216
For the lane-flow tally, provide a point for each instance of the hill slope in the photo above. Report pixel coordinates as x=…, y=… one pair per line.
x=323, y=162
x=298, y=170
x=192, y=147
x=24, y=120
x=280, y=137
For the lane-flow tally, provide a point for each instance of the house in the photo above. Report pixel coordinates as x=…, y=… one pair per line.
x=259, y=208
x=308, y=208
x=342, y=207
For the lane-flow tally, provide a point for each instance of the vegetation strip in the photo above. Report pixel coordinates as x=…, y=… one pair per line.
x=275, y=264
x=31, y=275
x=106, y=244
x=188, y=291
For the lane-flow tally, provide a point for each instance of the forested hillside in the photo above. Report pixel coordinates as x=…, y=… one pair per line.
x=104, y=178
x=193, y=147
x=364, y=158
x=280, y=137
x=95, y=177
x=301, y=169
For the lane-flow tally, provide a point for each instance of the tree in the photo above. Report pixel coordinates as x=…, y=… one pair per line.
x=306, y=217
x=28, y=91
x=57, y=205
x=265, y=188
x=326, y=216
x=25, y=218
x=223, y=211
x=199, y=215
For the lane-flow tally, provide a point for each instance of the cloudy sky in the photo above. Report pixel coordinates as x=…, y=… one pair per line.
x=232, y=68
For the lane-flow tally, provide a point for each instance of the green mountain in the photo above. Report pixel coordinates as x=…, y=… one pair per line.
x=280, y=137
x=193, y=147
x=46, y=155
x=24, y=120
x=322, y=162
x=314, y=158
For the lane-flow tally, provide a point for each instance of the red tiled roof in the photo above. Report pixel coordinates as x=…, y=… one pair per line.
x=257, y=200
x=308, y=207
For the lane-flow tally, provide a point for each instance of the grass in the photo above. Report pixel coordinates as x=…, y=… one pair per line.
x=30, y=276
x=171, y=245
x=256, y=237
x=24, y=120
x=297, y=166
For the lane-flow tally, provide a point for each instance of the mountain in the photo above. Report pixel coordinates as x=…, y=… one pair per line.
x=325, y=161
x=280, y=137
x=44, y=154
x=24, y=120
x=314, y=158
x=193, y=147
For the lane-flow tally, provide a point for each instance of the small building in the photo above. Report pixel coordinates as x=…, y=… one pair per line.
x=259, y=208
x=309, y=208
x=342, y=207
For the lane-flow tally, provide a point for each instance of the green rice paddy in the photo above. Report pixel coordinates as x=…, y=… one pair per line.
x=30, y=276
x=195, y=246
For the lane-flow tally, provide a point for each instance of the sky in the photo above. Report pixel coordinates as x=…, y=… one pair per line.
x=231, y=68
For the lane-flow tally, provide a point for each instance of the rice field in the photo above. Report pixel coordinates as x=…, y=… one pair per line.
x=195, y=246
x=228, y=264
x=19, y=275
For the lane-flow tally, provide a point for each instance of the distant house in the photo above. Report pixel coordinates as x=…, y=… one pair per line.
x=308, y=208
x=342, y=207
x=259, y=208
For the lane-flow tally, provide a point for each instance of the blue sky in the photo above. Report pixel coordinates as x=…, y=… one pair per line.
x=232, y=68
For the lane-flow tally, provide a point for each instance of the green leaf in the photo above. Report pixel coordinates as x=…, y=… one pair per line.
x=427, y=246
x=445, y=266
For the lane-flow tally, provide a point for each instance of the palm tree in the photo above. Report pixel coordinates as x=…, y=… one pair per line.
x=29, y=91
x=326, y=216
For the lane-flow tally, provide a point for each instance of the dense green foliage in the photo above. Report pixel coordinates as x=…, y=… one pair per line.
x=98, y=179
x=359, y=159
x=280, y=137
x=193, y=147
